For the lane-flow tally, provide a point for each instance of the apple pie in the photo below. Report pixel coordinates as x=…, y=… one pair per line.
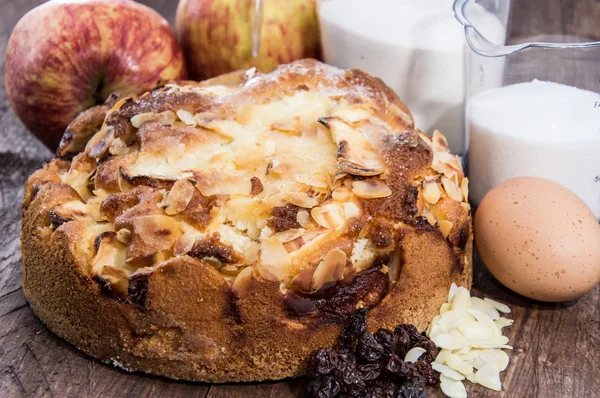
x=222, y=230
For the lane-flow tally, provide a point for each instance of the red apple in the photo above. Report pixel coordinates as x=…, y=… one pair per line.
x=67, y=55
x=216, y=35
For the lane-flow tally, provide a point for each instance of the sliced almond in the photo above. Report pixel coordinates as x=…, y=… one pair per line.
x=186, y=117
x=301, y=199
x=503, y=322
x=166, y=118
x=431, y=191
x=443, y=168
x=454, y=290
x=439, y=142
x=445, y=308
x=179, y=197
x=445, y=227
x=447, y=371
x=442, y=356
x=357, y=169
x=118, y=278
x=452, y=190
x=341, y=194
x=497, y=357
x=356, y=155
x=275, y=260
x=450, y=159
x=371, y=189
x=69, y=211
x=464, y=187
x=184, y=244
x=151, y=234
x=350, y=210
x=485, y=307
x=328, y=216
x=429, y=216
x=124, y=235
x=414, y=354
x=492, y=342
x=330, y=270
x=100, y=142
x=406, y=118
x=302, y=281
x=452, y=388
x=474, y=330
x=288, y=235
x=450, y=319
x=351, y=114
x=489, y=377
x=450, y=341
x=484, y=319
x=462, y=300
x=498, y=305
x=456, y=363
x=303, y=217
x=426, y=139
x=109, y=252
x=294, y=245
x=315, y=234
x=242, y=282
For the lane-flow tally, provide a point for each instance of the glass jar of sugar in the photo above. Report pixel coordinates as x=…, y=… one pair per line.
x=543, y=116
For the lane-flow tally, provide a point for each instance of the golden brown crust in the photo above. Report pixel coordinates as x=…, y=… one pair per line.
x=138, y=270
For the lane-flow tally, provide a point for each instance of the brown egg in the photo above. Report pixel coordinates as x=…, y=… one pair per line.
x=539, y=239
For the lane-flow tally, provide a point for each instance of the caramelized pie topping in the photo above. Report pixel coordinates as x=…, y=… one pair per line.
x=296, y=176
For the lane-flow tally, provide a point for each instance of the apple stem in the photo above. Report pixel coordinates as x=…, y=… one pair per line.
x=257, y=27
x=98, y=94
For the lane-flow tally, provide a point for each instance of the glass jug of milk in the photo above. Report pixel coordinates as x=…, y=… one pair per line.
x=542, y=118
x=416, y=47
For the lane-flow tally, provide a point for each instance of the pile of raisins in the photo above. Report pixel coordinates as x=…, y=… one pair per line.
x=369, y=365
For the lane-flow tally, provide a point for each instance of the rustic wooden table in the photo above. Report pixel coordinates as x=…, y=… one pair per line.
x=556, y=345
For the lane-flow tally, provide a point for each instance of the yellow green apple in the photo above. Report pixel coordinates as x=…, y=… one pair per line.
x=216, y=35
x=68, y=55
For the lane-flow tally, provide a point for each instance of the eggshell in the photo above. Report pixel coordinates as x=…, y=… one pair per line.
x=539, y=239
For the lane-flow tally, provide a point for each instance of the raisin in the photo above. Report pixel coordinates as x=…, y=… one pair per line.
x=412, y=389
x=397, y=367
x=410, y=329
x=350, y=381
x=323, y=387
x=386, y=339
x=382, y=389
x=356, y=325
x=369, y=371
x=419, y=370
x=428, y=345
x=370, y=365
x=426, y=372
x=393, y=365
x=368, y=349
x=407, y=337
x=347, y=356
x=402, y=341
x=321, y=362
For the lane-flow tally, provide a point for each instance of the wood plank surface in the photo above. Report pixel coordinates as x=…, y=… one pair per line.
x=556, y=345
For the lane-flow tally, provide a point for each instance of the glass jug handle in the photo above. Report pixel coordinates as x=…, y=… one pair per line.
x=482, y=46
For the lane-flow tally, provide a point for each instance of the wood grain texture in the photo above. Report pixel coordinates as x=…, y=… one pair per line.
x=556, y=345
